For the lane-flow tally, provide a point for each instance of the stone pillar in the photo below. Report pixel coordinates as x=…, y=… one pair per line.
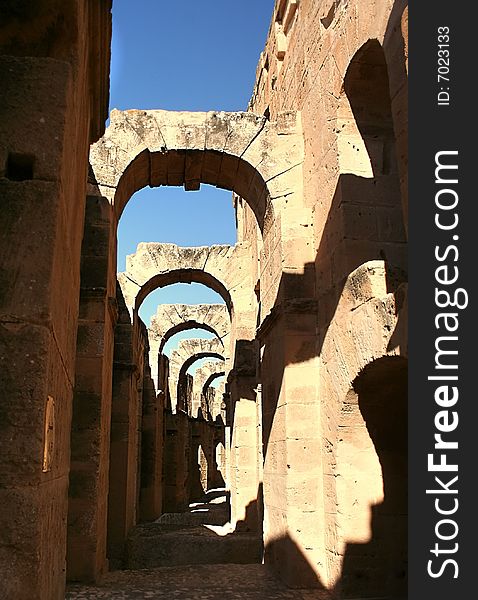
x=152, y=442
x=293, y=487
x=217, y=474
x=244, y=455
x=163, y=381
x=197, y=462
x=52, y=109
x=90, y=430
x=226, y=403
x=39, y=282
x=124, y=442
x=176, y=461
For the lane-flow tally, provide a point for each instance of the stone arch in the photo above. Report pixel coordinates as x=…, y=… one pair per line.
x=218, y=267
x=192, y=346
x=257, y=159
x=171, y=319
x=212, y=377
x=181, y=401
x=187, y=352
x=183, y=276
x=157, y=147
x=365, y=123
x=371, y=480
x=366, y=217
x=372, y=116
x=198, y=356
x=368, y=325
x=186, y=326
x=174, y=318
x=206, y=396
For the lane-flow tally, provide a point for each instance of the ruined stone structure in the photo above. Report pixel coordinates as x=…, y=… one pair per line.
x=100, y=430
x=171, y=319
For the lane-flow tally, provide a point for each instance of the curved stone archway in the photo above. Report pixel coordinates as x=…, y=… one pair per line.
x=203, y=392
x=155, y=265
x=216, y=374
x=174, y=318
x=368, y=327
x=260, y=160
x=236, y=151
x=220, y=268
x=183, y=400
x=171, y=319
x=188, y=352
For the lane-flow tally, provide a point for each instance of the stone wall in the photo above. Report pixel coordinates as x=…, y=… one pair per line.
x=171, y=319
x=54, y=68
x=313, y=331
x=343, y=66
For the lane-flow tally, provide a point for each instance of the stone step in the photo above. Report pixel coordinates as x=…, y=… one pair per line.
x=165, y=545
x=201, y=515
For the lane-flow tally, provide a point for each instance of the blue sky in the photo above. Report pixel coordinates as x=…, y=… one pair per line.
x=188, y=54
x=183, y=55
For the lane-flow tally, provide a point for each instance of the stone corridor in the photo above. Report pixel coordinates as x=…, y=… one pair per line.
x=277, y=468
x=206, y=565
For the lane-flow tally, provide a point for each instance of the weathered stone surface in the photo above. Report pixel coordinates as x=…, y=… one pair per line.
x=174, y=318
x=187, y=352
x=308, y=432
x=154, y=265
x=197, y=536
x=190, y=148
x=241, y=582
x=152, y=547
x=53, y=105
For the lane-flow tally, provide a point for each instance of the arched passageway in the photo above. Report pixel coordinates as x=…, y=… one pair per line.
x=210, y=380
x=182, y=397
x=173, y=318
x=186, y=326
x=314, y=165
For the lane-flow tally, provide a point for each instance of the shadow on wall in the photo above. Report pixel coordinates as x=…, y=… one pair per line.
x=215, y=477
x=253, y=518
x=365, y=223
x=338, y=260
x=376, y=568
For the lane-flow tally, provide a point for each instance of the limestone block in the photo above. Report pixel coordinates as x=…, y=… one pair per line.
x=33, y=129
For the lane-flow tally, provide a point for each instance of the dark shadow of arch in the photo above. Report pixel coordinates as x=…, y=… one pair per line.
x=367, y=88
x=378, y=568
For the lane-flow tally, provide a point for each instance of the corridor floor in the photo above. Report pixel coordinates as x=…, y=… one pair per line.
x=143, y=578
x=194, y=582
